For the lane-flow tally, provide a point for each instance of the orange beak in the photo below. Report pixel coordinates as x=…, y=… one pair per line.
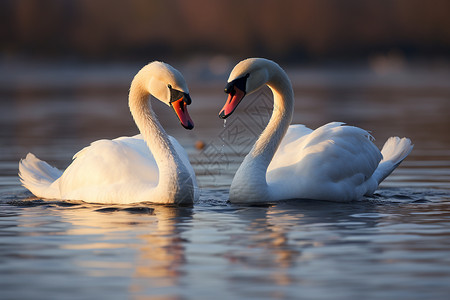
x=180, y=108
x=234, y=98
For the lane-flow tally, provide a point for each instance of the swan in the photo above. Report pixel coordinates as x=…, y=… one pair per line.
x=148, y=167
x=334, y=162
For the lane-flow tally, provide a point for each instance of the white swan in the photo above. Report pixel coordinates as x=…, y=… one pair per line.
x=149, y=167
x=334, y=162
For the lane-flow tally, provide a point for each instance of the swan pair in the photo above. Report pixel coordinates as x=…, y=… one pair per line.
x=334, y=162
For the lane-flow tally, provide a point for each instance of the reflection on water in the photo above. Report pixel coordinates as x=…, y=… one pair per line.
x=395, y=244
x=142, y=246
x=391, y=246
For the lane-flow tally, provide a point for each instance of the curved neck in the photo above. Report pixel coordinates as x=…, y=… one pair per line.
x=172, y=172
x=283, y=109
x=254, y=167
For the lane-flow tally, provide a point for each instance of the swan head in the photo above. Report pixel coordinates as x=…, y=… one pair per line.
x=246, y=77
x=168, y=86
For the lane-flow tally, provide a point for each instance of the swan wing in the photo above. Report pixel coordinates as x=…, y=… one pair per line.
x=295, y=135
x=334, y=162
x=108, y=167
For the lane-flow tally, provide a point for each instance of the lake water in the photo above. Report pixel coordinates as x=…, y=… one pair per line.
x=395, y=245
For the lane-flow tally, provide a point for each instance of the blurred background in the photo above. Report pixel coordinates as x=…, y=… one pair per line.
x=66, y=67
x=288, y=31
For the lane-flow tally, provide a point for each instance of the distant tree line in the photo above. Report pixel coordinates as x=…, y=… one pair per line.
x=289, y=29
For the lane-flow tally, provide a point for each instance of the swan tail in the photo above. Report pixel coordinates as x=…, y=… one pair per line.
x=394, y=151
x=37, y=176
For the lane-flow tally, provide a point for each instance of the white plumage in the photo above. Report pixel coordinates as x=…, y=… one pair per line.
x=334, y=162
x=151, y=166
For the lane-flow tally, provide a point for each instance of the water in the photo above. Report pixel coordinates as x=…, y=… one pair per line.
x=394, y=245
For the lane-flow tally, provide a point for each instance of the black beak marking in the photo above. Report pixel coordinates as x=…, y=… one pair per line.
x=177, y=95
x=222, y=115
x=239, y=83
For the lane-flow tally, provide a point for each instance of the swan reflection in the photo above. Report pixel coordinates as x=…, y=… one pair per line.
x=148, y=239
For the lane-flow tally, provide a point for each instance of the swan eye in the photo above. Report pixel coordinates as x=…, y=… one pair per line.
x=169, y=86
x=229, y=88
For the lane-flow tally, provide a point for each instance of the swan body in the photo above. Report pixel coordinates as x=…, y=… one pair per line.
x=149, y=167
x=334, y=162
